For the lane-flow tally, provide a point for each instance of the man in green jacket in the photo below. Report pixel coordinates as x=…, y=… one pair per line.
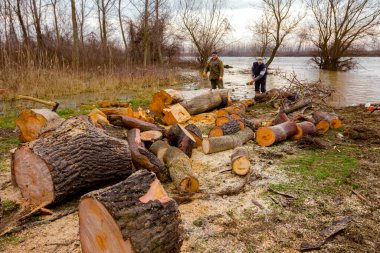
x=216, y=68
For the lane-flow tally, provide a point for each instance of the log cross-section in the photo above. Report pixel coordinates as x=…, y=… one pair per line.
x=240, y=161
x=76, y=157
x=135, y=215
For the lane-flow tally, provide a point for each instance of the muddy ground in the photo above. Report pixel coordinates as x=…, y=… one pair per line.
x=331, y=177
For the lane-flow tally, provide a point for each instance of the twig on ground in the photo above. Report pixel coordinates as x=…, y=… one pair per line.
x=282, y=193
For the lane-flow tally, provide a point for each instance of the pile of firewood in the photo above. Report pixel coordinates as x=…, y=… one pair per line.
x=125, y=154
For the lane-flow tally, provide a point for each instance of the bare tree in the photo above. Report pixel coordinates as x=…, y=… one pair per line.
x=146, y=32
x=36, y=10
x=205, y=24
x=20, y=16
x=262, y=34
x=285, y=20
x=338, y=25
x=120, y=10
x=75, y=53
x=55, y=16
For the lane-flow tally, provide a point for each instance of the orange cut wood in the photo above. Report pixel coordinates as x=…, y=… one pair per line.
x=175, y=114
x=267, y=136
x=30, y=122
x=240, y=162
x=332, y=119
x=304, y=128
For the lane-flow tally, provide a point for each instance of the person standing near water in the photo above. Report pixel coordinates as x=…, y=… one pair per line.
x=259, y=75
x=216, y=68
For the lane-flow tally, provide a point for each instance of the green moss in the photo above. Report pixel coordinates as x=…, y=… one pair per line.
x=198, y=223
x=67, y=112
x=8, y=120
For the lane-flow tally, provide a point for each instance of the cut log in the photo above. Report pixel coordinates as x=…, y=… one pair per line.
x=115, y=131
x=230, y=127
x=269, y=95
x=30, y=122
x=129, y=123
x=238, y=109
x=280, y=118
x=196, y=133
x=206, y=102
x=97, y=117
x=332, y=119
x=49, y=127
x=178, y=164
x=240, y=161
x=143, y=158
x=222, y=120
x=76, y=157
x=135, y=215
x=303, y=129
x=175, y=114
x=179, y=137
x=217, y=144
x=118, y=111
x=149, y=137
x=267, y=136
x=253, y=124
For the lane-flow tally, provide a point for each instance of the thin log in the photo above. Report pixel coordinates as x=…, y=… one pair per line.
x=230, y=127
x=129, y=123
x=135, y=215
x=143, y=158
x=299, y=105
x=218, y=144
x=332, y=119
x=178, y=164
x=303, y=129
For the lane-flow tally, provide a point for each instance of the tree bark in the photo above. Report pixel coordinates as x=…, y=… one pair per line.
x=178, y=164
x=143, y=158
x=303, y=129
x=129, y=123
x=179, y=137
x=75, y=158
x=30, y=122
x=196, y=133
x=218, y=144
x=240, y=161
x=135, y=215
x=230, y=127
x=267, y=136
x=299, y=105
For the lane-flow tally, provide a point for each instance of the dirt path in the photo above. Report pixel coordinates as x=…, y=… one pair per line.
x=342, y=179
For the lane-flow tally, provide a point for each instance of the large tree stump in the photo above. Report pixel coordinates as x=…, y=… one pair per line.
x=240, y=161
x=230, y=127
x=175, y=114
x=332, y=119
x=303, y=129
x=178, y=164
x=267, y=136
x=76, y=157
x=179, y=137
x=217, y=144
x=129, y=123
x=196, y=133
x=143, y=158
x=135, y=215
x=30, y=122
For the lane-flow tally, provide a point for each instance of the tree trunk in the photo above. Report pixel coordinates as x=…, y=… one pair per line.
x=218, y=144
x=175, y=114
x=75, y=158
x=129, y=123
x=22, y=23
x=146, y=33
x=196, y=133
x=240, y=161
x=135, y=215
x=238, y=108
x=230, y=127
x=267, y=136
x=303, y=129
x=194, y=101
x=299, y=105
x=75, y=52
x=143, y=158
x=178, y=164
x=253, y=124
x=30, y=122
x=225, y=119
x=122, y=28
x=179, y=137
x=333, y=120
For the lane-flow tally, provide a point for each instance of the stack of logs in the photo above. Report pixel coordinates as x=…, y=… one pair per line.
x=62, y=158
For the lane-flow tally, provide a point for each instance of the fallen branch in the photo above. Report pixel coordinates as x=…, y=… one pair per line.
x=282, y=193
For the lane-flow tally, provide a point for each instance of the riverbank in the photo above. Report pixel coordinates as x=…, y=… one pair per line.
x=331, y=178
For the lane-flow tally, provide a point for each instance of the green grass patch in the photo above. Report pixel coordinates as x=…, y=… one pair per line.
x=139, y=102
x=11, y=240
x=8, y=120
x=67, y=112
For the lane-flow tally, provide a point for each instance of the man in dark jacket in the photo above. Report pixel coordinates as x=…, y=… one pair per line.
x=216, y=68
x=259, y=75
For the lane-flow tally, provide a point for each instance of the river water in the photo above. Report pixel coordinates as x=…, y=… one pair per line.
x=360, y=85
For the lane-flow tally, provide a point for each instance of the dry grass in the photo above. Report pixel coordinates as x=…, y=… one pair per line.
x=44, y=83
